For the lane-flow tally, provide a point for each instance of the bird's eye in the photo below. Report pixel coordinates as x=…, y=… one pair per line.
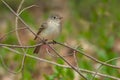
x=54, y=17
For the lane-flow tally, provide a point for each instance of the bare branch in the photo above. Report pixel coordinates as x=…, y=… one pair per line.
x=19, y=7
x=25, y=54
x=27, y=8
x=92, y=58
x=74, y=68
x=97, y=70
x=19, y=40
x=19, y=18
x=6, y=67
x=64, y=66
x=2, y=37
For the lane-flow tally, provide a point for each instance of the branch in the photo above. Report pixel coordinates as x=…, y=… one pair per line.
x=19, y=46
x=74, y=68
x=18, y=38
x=27, y=8
x=92, y=58
x=17, y=15
x=64, y=66
x=102, y=65
x=2, y=37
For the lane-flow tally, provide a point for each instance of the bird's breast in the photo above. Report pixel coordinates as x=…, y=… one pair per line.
x=51, y=32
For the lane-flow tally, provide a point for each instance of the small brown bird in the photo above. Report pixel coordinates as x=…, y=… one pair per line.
x=49, y=30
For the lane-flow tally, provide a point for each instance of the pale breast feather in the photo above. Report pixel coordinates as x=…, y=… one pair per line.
x=52, y=31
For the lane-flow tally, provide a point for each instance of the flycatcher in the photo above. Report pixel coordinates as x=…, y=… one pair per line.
x=49, y=30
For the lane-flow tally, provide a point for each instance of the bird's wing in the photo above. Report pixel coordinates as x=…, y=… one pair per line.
x=43, y=26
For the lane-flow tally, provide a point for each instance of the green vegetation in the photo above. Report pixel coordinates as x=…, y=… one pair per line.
x=94, y=21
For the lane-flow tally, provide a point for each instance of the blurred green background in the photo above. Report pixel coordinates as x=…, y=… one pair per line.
x=91, y=24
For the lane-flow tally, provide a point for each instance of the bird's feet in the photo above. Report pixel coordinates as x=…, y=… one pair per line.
x=54, y=42
x=44, y=41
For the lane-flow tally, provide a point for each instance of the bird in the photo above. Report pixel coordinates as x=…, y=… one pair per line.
x=49, y=30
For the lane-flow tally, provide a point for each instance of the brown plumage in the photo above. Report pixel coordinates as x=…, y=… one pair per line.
x=48, y=30
x=43, y=26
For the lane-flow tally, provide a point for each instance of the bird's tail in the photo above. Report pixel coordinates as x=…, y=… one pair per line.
x=36, y=50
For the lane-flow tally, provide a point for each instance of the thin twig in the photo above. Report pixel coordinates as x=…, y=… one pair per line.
x=20, y=69
x=102, y=65
x=56, y=55
x=18, y=46
x=50, y=53
x=6, y=68
x=27, y=8
x=20, y=19
x=75, y=58
x=74, y=68
x=19, y=40
x=92, y=58
x=64, y=66
x=61, y=43
x=18, y=16
x=19, y=7
x=2, y=37
x=76, y=63
x=58, y=42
